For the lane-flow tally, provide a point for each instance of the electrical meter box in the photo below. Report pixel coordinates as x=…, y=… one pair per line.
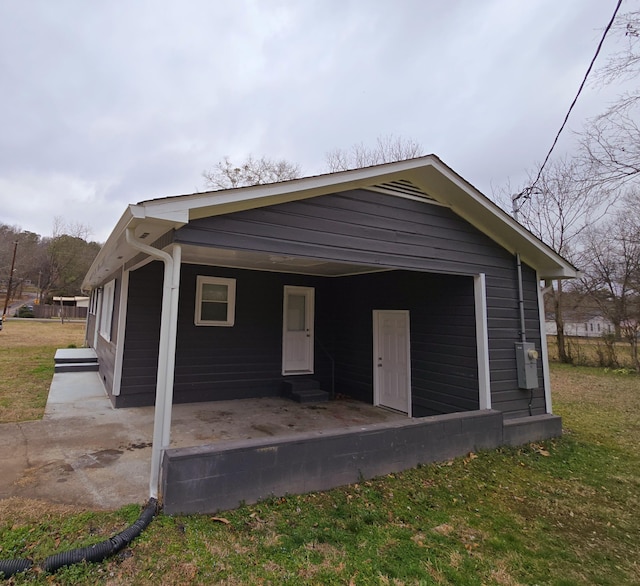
x=527, y=365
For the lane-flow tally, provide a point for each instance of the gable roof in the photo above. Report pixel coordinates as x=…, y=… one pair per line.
x=425, y=178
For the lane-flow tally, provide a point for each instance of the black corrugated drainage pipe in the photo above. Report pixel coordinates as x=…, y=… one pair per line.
x=92, y=553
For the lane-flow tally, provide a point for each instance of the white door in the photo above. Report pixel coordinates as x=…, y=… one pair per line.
x=391, y=360
x=297, y=327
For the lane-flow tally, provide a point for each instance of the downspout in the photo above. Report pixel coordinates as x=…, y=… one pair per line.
x=166, y=354
x=523, y=330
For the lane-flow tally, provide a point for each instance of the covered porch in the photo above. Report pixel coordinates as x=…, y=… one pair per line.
x=434, y=359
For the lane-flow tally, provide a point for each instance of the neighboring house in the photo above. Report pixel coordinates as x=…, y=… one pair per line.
x=72, y=301
x=72, y=306
x=587, y=326
x=399, y=285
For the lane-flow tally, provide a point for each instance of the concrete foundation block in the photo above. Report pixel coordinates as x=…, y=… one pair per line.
x=531, y=429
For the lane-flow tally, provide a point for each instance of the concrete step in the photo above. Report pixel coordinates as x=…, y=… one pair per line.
x=76, y=367
x=304, y=390
x=292, y=384
x=75, y=355
x=310, y=396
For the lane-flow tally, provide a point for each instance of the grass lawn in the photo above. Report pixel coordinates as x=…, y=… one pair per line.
x=559, y=512
x=27, y=348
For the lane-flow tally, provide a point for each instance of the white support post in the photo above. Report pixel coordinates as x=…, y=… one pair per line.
x=122, y=323
x=482, y=340
x=546, y=379
x=171, y=349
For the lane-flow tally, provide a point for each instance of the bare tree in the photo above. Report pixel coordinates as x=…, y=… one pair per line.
x=30, y=255
x=68, y=257
x=611, y=142
x=562, y=207
x=387, y=149
x=226, y=175
x=612, y=271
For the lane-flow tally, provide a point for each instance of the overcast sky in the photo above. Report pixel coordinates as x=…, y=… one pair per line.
x=108, y=103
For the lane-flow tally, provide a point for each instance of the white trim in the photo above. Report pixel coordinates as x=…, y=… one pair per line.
x=309, y=293
x=106, y=310
x=286, y=270
x=482, y=341
x=231, y=301
x=96, y=320
x=546, y=378
x=122, y=323
x=166, y=354
x=376, y=349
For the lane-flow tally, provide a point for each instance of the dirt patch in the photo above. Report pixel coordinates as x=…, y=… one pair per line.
x=270, y=430
x=28, y=510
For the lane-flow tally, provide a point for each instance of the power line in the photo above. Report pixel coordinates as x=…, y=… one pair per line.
x=527, y=191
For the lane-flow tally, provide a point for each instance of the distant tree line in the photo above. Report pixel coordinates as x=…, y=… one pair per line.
x=55, y=264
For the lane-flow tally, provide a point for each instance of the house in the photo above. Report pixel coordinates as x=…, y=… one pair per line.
x=399, y=285
x=71, y=306
x=582, y=324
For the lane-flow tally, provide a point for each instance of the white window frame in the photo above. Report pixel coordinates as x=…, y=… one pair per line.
x=93, y=303
x=231, y=301
x=106, y=309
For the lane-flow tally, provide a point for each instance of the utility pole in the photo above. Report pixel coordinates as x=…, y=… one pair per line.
x=13, y=263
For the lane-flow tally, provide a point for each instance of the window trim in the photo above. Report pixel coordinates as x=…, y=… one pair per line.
x=231, y=301
x=106, y=309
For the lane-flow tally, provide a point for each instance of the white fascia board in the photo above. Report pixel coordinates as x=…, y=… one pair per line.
x=206, y=204
x=178, y=216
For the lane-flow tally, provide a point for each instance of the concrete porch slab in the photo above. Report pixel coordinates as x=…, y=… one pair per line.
x=87, y=453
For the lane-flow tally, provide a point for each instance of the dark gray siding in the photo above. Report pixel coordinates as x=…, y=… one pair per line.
x=142, y=336
x=212, y=363
x=444, y=371
x=504, y=332
x=356, y=227
x=240, y=361
x=215, y=363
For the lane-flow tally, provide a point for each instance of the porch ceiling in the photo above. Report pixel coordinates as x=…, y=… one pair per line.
x=263, y=261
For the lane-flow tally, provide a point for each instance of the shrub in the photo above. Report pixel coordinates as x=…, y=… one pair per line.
x=25, y=311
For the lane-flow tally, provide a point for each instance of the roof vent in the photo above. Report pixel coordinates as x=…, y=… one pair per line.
x=403, y=188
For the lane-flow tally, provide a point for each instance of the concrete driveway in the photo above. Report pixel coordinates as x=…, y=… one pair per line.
x=85, y=452
x=82, y=452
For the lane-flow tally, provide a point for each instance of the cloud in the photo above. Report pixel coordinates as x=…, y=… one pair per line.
x=106, y=104
x=41, y=198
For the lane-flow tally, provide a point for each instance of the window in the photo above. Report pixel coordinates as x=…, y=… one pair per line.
x=215, y=301
x=93, y=306
x=106, y=310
